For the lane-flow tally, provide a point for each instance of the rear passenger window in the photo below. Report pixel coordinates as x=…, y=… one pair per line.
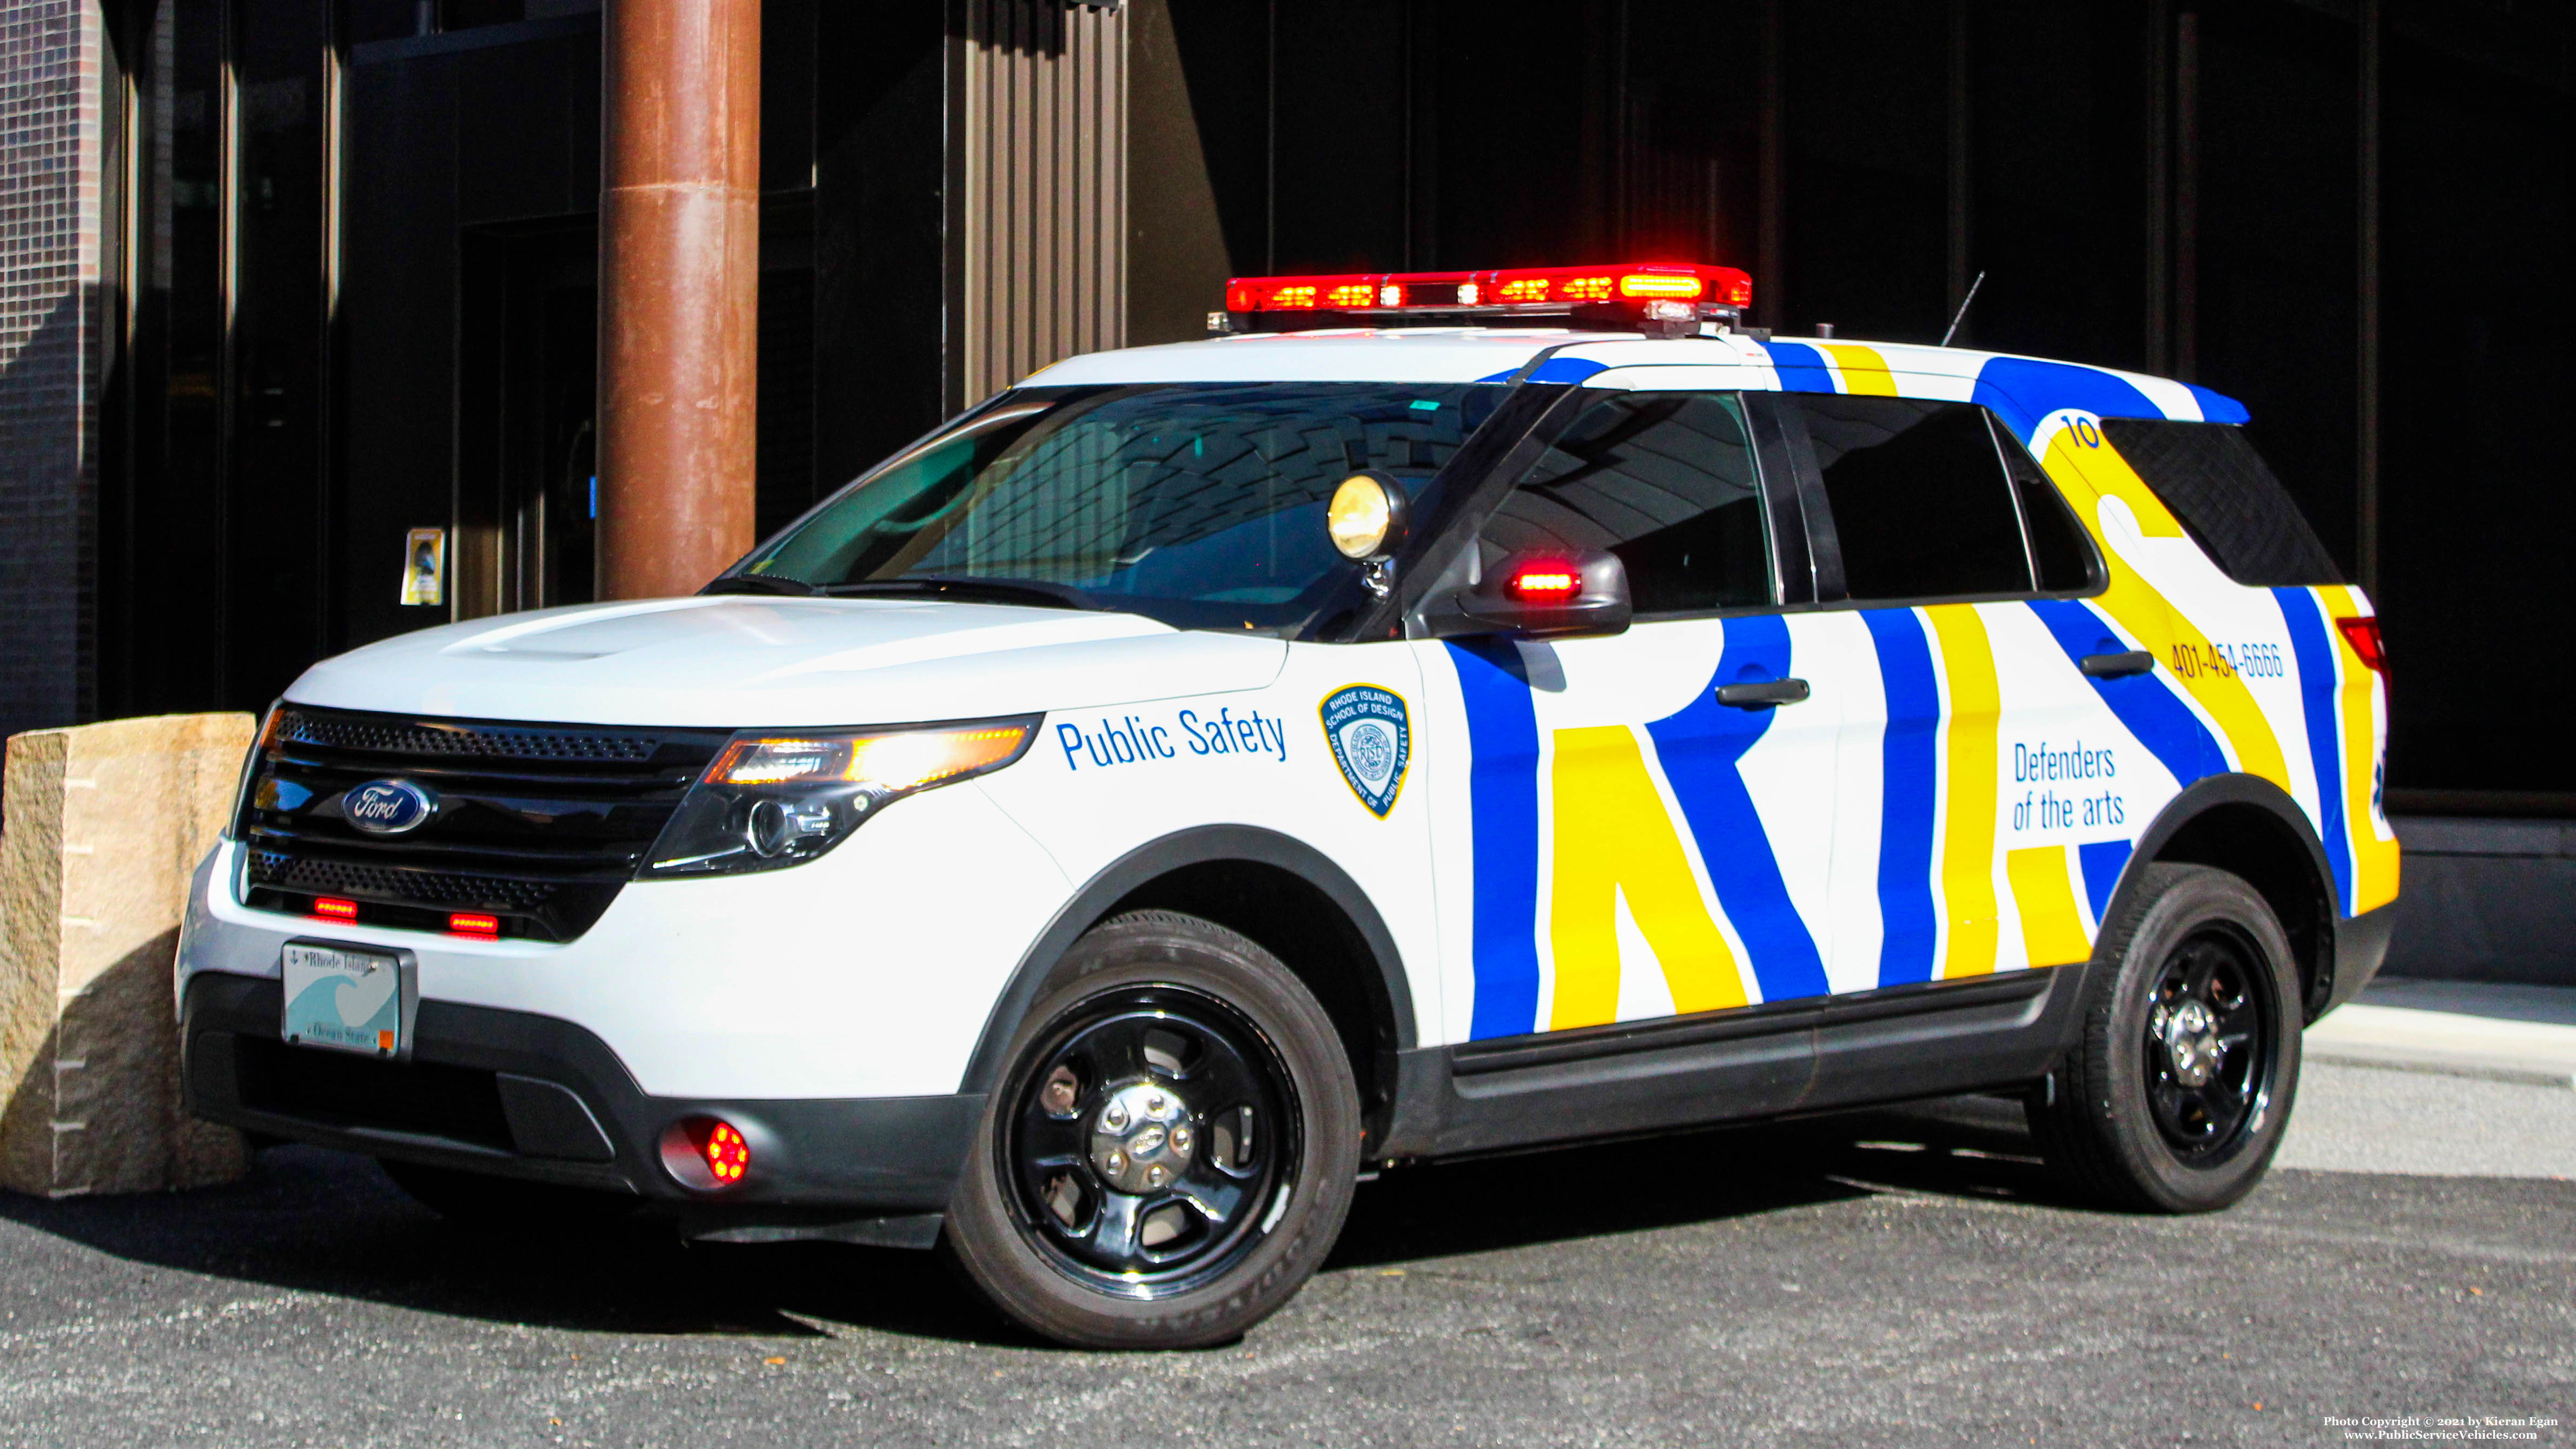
x=2060, y=550
x=2223, y=492
x=1920, y=499
x=1664, y=480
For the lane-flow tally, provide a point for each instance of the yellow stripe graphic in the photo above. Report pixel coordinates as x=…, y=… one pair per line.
x=2149, y=616
x=2050, y=928
x=1968, y=831
x=1864, y=370
x=1614, y=838
x=2374, y=861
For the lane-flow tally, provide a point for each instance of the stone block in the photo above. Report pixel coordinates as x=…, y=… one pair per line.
x=105, y=823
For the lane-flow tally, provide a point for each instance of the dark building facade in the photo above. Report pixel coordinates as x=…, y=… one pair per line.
x=291, y=279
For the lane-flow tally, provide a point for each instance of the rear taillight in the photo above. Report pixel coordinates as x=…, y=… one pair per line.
x=2363, y=635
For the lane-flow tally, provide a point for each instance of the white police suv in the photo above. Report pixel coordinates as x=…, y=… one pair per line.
x=1443, y=713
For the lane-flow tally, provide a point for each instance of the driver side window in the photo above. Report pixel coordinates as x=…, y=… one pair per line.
x=1667, y=482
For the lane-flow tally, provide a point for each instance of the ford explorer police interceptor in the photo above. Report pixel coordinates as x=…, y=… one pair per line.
x=1440, y=714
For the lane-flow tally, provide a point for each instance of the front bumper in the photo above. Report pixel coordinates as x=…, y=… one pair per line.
x=516, y=1094
x=868, y=973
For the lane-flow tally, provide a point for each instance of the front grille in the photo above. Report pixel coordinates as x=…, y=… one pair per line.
x=492, y=742
x=537, y=825
x=419, y=887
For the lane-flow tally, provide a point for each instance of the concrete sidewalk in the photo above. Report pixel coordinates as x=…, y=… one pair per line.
x=2518, y=1034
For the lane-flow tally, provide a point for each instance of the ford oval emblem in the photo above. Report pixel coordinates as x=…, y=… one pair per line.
x=388, y=807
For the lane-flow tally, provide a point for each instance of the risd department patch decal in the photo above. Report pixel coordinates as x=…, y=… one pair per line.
x=1371, y=736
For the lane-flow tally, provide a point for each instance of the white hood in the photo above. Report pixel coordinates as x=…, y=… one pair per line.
x=746, y=661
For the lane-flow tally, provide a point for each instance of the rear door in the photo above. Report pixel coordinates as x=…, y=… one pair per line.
x=1982, y=770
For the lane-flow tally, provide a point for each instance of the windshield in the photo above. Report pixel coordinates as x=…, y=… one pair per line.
x=1199, y=504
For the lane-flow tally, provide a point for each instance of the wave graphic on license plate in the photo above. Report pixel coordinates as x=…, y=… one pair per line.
x=345, y=1000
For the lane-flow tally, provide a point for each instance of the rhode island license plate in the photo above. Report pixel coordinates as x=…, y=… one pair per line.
x=347, y=1000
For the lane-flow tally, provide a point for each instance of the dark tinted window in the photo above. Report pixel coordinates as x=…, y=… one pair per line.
x=1664, y=480
x=2067, y=560
x=2220, y=488
x=1919, y=497
x=1199, y=504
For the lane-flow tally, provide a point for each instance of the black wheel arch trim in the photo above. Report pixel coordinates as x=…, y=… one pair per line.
x=1204, y=845
x=2216, y=791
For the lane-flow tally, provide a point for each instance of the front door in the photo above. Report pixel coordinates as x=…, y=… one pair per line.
x=1651, y=814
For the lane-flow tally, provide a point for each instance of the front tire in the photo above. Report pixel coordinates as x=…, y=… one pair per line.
x=2177, y=1092
x=1173, y=1149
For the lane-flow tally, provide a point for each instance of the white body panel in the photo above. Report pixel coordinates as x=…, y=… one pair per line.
x=873, y=970
x=867, y=973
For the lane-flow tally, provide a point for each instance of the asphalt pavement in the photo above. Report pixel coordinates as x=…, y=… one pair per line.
x=1906, y=1277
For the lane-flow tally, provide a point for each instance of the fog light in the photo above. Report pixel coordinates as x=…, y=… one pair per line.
x=707, y=1153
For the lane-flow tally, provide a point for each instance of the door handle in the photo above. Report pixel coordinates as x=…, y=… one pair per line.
x=2115, y=666
x=1763, y=693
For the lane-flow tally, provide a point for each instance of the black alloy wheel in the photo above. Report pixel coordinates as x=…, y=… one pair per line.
x=1149, y=1136
x=1173, y=1148
x=2179, y=1083
x=2207, y=1053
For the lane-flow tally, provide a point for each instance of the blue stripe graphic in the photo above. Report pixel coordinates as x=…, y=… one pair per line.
x=2308, y=643
x=2102, y=862
x=2218, y=407
x=1801, y=368
x=2023, y=390
x=1502, y=792
x=1700, y=748
x=1911, y=769
x=2144, y=702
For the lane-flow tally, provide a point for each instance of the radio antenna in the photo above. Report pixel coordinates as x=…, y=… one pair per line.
x=1963, y=309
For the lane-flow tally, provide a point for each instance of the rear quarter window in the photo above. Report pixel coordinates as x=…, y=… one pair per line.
x=2227, y=498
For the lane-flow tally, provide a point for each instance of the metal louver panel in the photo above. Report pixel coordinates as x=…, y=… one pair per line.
x=1037, y=189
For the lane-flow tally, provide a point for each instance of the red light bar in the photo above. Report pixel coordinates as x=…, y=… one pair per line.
x=467, y=923
x=335, y=908
x=1503, y=291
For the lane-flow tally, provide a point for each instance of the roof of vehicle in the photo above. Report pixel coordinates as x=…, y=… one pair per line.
x=2025, y=390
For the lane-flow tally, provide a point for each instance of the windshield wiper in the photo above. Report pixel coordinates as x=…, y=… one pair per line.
x=758, y=584
x=1024, y=591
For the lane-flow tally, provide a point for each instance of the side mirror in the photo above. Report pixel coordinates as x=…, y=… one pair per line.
x=1540, y=596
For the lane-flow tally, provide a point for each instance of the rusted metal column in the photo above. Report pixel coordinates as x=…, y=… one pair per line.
x=679, y=280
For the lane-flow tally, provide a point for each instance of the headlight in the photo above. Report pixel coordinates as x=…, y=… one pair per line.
x=777, y=799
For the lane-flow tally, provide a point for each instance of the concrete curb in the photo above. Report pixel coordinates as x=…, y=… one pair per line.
x=2489, y=1069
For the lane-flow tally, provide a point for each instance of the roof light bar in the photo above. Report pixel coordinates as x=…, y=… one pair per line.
x=1665, y=299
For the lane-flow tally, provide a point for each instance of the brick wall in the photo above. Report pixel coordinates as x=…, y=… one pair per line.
x=50, y=334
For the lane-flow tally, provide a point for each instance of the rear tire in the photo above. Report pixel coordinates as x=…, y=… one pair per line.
x=1172, y=1150
x=2176, y=1093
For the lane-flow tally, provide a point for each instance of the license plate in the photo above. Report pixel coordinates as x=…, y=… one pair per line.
x=346, y=1000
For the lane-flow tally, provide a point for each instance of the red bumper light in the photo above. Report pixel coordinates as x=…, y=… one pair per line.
x=468, y=924
x=707, y=1153
x=2363, y=635
x=334, y=908
x=728, y=1156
